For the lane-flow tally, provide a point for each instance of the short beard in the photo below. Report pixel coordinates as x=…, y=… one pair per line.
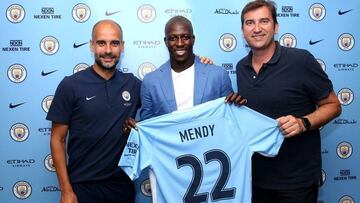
x=106, y=68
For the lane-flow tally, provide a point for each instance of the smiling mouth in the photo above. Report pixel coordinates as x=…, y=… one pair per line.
x=108, y=59
x=258, y=36
x=180, y=52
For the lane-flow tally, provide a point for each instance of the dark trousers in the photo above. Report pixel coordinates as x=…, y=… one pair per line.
x=303, y=195
x=109, y=191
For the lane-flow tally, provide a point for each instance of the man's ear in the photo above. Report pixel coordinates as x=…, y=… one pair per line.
x=91, y=46
x=122, y=47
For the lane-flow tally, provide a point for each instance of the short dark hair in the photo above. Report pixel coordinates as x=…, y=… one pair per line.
x=178, y=19
x=271, y=5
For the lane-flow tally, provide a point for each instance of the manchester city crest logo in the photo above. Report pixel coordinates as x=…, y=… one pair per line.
x=49, y=45
x=227, y=42
x=346, y=199
x=145, y=68
x=322, y=64
x=146, y=188
x=81, y=12
x=15, y=13
x=46, y=103
x=146, y=13
x=346, y=42
x=80, y=67
x=344, y=150
x=49, y=163
x=322, y=178
x=19, y=132
x=288, y=40
x=126, y=95
x=16, y=73
x=22, y=189
x=345, y=96
x=317, y=12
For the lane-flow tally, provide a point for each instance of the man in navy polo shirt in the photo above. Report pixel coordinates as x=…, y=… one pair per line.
x=289, y=85
x=91, y=106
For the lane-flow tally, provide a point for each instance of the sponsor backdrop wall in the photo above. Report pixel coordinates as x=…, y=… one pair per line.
x=42, y=41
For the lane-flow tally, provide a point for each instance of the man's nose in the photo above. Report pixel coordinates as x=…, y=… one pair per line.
x=107, y=48
x=257, y=27
x=179, y=41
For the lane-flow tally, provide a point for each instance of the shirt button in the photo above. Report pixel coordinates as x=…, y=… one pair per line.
x=254, y=77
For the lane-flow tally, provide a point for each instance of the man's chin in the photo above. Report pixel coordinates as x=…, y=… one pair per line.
x=106, y=67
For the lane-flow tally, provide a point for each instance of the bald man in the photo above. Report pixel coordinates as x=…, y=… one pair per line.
x=91, y=106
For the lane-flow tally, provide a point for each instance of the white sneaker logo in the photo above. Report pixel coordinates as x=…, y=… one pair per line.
x=89, y=98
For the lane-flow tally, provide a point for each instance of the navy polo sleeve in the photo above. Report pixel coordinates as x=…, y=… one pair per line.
x=318, y=85
x=62, y=105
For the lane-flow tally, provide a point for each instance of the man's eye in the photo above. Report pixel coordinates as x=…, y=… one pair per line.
x=185, y=37
x=249, y=22
x=100, y=43
x=266, y=21
x=172, y=38
x=115, y=43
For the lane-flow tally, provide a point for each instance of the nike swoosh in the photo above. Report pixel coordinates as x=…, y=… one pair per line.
x=79, y=45
x=11, y=106
x=89, y=98
x=47, y=73
x=314, y=42
x=111, y=13
x=343, y=12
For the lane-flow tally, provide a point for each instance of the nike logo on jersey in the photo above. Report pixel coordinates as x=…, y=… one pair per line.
x=47, y=73
x=315, y=42
x=343, y=12
x=11, y=106
x=90, y=98
x=78, y=45
x=107, y=13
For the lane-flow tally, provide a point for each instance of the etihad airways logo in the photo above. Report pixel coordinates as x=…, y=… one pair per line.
x=186, y=12
x=146, y=44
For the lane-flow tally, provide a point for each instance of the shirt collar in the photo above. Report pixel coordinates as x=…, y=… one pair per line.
x=274, y=59
x=98, y=76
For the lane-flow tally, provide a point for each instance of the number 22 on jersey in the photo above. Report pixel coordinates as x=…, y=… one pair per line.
x=218, y=192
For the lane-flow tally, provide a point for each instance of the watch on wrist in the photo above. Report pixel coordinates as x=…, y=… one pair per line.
x=306, y=123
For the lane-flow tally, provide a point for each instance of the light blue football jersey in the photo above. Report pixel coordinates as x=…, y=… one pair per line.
x=202, y=154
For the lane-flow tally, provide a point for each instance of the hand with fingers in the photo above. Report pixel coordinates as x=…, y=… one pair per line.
x=128, y=125
x=206, y=60
x=290, y=126
x=235, y=98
